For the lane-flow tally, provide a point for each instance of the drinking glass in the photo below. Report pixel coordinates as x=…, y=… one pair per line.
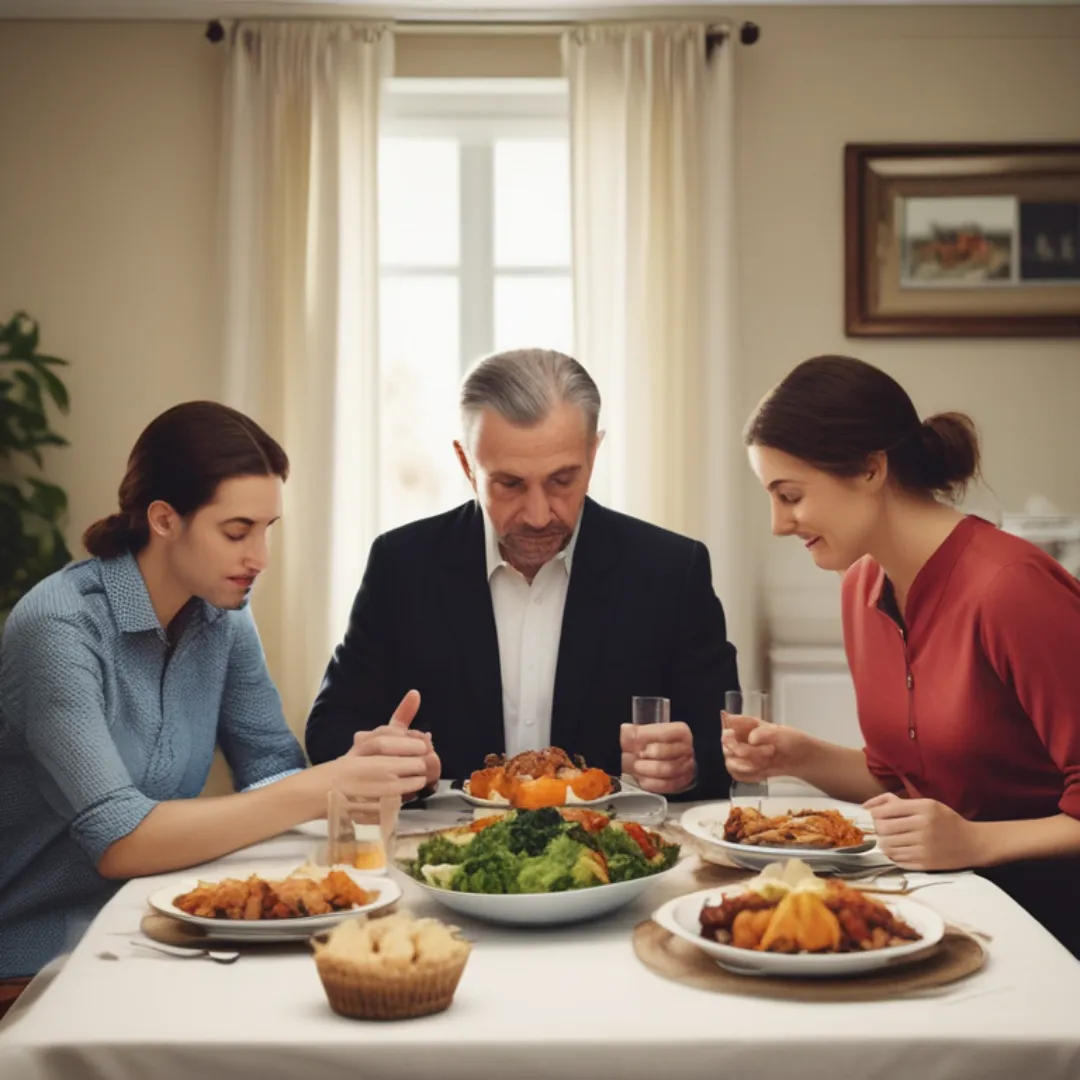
x=753, y=703
x=650, y=710
x=646, y=710
x=360, y=832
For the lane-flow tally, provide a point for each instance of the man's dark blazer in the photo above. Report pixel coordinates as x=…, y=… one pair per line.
x=641, y=618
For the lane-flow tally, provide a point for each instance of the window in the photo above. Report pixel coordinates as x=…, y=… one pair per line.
x=474, y=239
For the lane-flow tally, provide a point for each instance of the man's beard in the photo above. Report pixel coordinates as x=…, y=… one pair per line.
x=535, y=547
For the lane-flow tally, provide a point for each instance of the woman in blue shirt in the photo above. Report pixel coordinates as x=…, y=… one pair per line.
x=120, y=674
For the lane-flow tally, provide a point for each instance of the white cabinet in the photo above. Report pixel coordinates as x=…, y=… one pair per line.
x=812, y=691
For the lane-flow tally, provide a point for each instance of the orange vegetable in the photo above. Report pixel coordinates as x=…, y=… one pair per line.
x=482, y=823
x=591, y=784
x=535, y=794
x=640, y=837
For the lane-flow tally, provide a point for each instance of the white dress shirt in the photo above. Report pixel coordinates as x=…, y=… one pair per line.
x=528, y=621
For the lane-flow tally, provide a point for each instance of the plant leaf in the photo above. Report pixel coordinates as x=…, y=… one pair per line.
x=48, y=500
x=56, y=389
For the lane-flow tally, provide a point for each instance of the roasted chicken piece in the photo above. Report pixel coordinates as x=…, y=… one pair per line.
x=861, y=915
x=534, y=764
x=718, y=920
x=803, y=829
x=258, y=899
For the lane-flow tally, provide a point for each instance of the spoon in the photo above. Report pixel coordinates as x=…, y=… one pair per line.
x=219, y=956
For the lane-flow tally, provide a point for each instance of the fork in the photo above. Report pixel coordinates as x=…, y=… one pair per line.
x=219, y=956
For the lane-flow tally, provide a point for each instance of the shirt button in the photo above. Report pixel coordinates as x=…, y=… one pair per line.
x=528, y=723
x=537, y=600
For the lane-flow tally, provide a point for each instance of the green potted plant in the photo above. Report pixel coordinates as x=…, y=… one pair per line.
x=32, y=511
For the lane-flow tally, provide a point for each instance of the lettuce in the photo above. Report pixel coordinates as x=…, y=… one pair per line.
x=493, y=870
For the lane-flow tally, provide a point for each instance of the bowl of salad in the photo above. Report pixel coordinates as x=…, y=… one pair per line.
x=540, y=867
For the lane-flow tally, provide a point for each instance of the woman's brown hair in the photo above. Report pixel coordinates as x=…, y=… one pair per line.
x=180, y=459
x=835, y=411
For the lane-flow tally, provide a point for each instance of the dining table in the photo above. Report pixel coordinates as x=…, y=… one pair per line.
x=569, y=1001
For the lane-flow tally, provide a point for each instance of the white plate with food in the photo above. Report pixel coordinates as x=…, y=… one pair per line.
x=269, y=904
x=824, y=832
x=825, y=930
x=540, y=867
x=548, y=777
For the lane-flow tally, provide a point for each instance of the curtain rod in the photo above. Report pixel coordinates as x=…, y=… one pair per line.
x=715, y=35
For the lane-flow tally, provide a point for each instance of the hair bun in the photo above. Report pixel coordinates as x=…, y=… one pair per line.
x=111, y=536
x=950, y=447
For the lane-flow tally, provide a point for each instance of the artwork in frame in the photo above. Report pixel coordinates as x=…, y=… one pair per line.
x=962, y=240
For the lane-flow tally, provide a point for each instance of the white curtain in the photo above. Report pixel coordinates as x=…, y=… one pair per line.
x=652, y=159
x=301, y=312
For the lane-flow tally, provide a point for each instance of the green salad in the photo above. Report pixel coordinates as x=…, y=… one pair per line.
x=541, y=851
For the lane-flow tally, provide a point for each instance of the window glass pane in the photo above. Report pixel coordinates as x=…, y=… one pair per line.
x=419, y=474
x=418, y=202
x=534, y=312
x=532, y=202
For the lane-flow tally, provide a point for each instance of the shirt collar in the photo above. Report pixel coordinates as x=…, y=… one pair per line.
x=935, y=572
x=130, y=599
x=494, y=555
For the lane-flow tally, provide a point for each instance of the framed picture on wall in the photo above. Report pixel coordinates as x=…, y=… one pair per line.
x=962, y=240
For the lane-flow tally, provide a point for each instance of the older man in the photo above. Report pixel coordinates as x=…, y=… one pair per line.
x=531, y=616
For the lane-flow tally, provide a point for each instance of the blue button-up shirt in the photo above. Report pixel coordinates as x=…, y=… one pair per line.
x=100, y=720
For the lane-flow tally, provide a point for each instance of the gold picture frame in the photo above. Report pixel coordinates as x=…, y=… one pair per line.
x=962, y=240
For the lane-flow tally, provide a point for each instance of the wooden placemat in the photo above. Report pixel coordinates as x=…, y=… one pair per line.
x=957, y=956
x=169, y=931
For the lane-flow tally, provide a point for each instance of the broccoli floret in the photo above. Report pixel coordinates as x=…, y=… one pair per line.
x=439, y=850
x=554, y=870
x=666, y=858
x=530, y=831
x=628, y=867
x=577, y=832
x=492, y=837
x=616, y=842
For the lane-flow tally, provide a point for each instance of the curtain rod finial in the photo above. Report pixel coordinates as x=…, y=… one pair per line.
x=215, y=32
x=749, y=33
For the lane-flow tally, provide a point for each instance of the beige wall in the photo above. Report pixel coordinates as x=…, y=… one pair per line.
x=107, y=220
x=107, y=213
x=820, y=78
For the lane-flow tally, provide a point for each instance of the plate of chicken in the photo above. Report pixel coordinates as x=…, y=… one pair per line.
x=269, y=905
x=789, y=922
x=536, y=779
x=821, y=831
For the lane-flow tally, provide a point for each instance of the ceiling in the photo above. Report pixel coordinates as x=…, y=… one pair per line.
x=435, y=10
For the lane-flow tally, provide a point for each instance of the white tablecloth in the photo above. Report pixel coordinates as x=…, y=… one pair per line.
x=569, y=1002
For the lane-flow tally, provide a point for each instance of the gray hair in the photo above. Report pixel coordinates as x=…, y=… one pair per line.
x=524, y=385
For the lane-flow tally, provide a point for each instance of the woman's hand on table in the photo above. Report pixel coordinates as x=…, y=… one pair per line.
x=924, y=834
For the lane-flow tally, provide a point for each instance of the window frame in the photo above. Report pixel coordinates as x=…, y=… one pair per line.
x=476, y=112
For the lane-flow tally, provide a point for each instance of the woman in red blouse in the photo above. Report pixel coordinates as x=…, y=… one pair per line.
x=963, y=641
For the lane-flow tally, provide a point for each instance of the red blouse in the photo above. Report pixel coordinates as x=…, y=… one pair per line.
x=977, y=703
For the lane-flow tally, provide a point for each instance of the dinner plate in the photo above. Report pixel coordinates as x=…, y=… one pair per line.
x=162, y=900
x=681, y=917
x=626, y=799
x=706, y=824
x=543, y=909
x=462, y=788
